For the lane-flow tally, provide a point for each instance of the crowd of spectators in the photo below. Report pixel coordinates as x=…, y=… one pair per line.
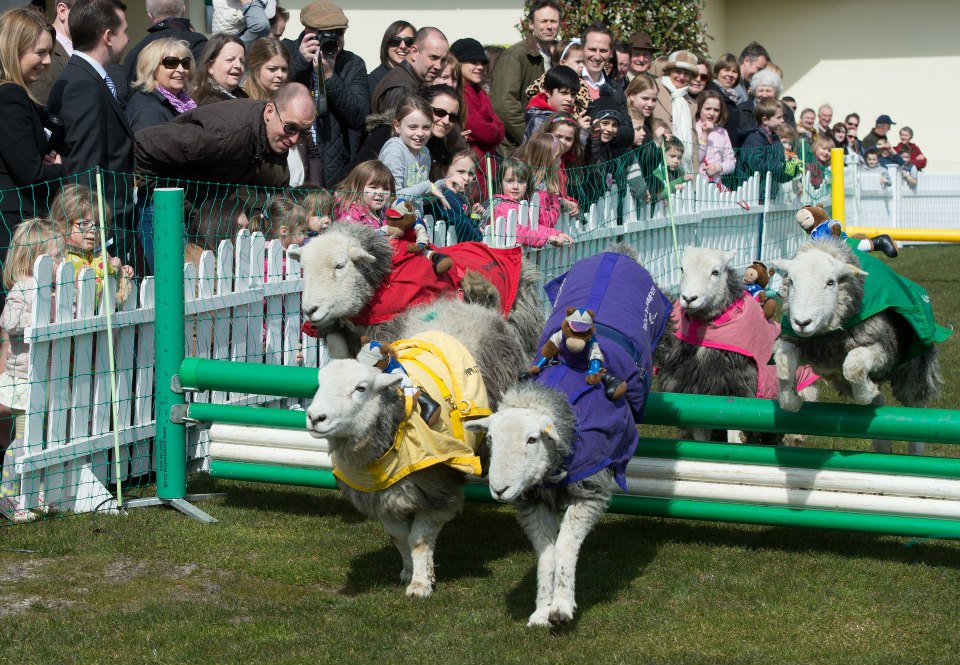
x=245, y=108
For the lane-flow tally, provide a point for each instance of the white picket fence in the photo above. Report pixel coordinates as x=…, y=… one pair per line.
x=934, y=202
x=67, y=454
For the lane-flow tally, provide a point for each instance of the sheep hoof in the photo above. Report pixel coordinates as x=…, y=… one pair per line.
x=561, y=615
x=539, y=619
x=418, y=589
x=790, y=402
x=864, y=394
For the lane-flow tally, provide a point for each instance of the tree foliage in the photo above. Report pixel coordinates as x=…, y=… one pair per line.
x=671, y=24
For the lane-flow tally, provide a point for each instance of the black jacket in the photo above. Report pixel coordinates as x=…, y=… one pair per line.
x=172, y=28
x=338, y=133
x=146, y=109
x=398, y=83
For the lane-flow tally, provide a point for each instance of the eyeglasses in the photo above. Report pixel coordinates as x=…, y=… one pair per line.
x=397, y=40
x=289, y=129
x=85, y=225
x=171, y=62
x=702, y=77
x=443, y=113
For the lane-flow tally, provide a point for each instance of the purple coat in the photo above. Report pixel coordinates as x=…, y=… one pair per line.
x=630, y=316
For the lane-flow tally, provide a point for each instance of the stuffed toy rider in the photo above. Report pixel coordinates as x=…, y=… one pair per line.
x=381, y=355
x=400, y=217
x=577, y=334
x=755, y=281
x=817, y=223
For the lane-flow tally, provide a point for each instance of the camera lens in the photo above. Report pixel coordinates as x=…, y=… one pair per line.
x=329, y=46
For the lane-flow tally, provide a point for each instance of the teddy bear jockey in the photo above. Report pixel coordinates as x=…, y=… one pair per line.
x=816, y=222
x=576, y=334
x=381, y=355
x=756, y=279
x=400, y=217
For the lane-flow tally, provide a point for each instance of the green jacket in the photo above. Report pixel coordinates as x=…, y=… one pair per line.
x=884, y=289
x=516, y=68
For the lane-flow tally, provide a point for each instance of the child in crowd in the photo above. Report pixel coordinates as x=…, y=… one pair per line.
x=670, y=178
x=408, y=159
x=516, y=181
x=285, y=220
x=819, y=168
x=605, y=120
x=569, y=53
x=542, y=153
x=73, y=215
x=871, y=166
x=319, y=204
x=887, y=154
x=639, y=128
x=467, y=220
x=762, y=152
x=365, y=193
x=31, y=238
x=571, y=135
x=917, y=158
x=560, y=86
x=715, y=157
x=908, y=171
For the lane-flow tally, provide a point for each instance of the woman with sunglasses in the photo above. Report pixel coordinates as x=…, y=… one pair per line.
x=161, y=90
x=700, y=80
x=447, y=139
x=397, y=40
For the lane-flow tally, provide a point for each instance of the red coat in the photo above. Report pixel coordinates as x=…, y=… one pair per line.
x=486, y=129
x=917, y=158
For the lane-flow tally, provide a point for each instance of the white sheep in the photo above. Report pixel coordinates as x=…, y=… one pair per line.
x=835, y=320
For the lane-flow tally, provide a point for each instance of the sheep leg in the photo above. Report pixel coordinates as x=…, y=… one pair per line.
x=399, y=530
x=580, y=518
x=422, y=541
x=539, y=522
x=809, y=394
x=787, y=358
x=857, y=366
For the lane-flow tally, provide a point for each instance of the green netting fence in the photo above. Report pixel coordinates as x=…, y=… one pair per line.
x=81, y=294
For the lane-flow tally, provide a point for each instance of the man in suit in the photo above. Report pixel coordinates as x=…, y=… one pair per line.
x=96, y=131
x=62, y=50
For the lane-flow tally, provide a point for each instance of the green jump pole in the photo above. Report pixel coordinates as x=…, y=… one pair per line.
x=255, y=378
x=169, y=340
x=713, y=511
x=246, y=415
x=898, y=423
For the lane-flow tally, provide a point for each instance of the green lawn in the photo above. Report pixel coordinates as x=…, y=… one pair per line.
x=291, y=575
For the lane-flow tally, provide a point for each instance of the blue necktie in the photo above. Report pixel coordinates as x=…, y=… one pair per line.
x=113, y=88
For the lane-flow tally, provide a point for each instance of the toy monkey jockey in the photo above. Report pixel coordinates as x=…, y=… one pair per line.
x=380, y=355
x=576, y=334
x=815, y=221
x=755, y=281
x=400, y=217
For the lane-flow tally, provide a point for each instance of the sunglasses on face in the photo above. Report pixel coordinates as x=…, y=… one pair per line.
x=396, y=41
x=289, y=129
x=702, y=77
x=171, y=62
x=444, y=113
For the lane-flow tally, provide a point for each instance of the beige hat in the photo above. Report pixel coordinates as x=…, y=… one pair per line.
x=322, y=15
x=684, y=60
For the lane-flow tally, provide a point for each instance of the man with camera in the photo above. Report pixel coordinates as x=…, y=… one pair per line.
x=337, y=80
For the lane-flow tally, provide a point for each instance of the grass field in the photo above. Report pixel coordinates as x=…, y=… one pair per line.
x=296, y=576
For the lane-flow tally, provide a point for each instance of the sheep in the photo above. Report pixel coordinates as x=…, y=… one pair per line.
x=831, y=320
x=346, y=267
x=558, y=446
x=358, y=410
x=712, y=303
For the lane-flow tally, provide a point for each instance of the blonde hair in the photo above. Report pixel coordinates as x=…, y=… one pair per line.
x=640, y=83
x=371, y=172
x=31, y=238
x=73, y=203
x=281, y=217
x=149, y=61
x=261, y=52
x=538, y=153
x=319, y=203
x=823, y=142
x=20, y=30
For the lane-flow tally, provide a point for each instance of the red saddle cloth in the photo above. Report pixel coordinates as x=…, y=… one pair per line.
x=412, y=281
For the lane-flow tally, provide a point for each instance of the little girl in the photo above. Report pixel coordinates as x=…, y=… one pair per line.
x=72, y=213
x=517, y=179
x=364, y=194
x=572, y=135
x=31, y=238
x=285, y=220
x=407, y=157
x=716, y=156
x=467, y=220
x=319, y=204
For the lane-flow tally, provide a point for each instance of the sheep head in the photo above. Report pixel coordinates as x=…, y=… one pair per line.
x=822, y=291
x=348, y=404
x=342, y=269
x=708, y=284
x=521, y=444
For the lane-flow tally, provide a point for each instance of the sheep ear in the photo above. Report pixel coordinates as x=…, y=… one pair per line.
x=549, y=428
x=360, y=254
x=856, y=271
x=728, y=256
x=295, y=253
x=385, y=381
x=478, y=425
x=784, y=265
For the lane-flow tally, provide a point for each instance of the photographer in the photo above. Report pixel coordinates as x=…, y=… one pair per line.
x=337, y=79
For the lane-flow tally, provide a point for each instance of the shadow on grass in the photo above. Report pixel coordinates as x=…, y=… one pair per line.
x=466, y=547
x=290, y=500
x=883, y=548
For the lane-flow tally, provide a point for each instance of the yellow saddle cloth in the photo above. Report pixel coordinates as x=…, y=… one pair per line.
x=447, y=371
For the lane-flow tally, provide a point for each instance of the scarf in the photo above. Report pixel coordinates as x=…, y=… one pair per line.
x=180, y=101
x=219, y=89
x=730, y=93
x=682, y=120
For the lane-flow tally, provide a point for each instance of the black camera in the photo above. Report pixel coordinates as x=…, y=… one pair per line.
x=329, y=43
